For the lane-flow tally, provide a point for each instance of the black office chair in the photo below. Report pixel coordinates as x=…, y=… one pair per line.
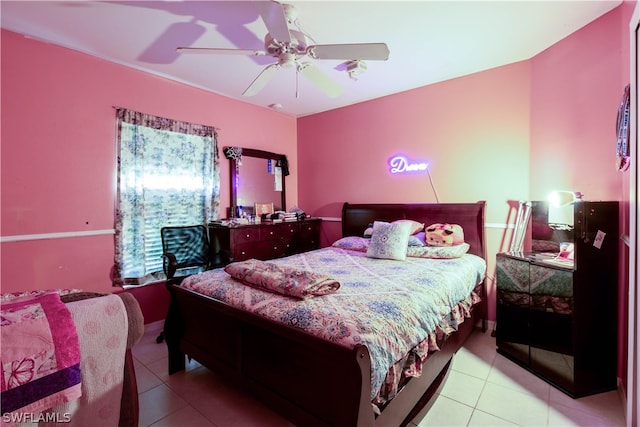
x=185, y=251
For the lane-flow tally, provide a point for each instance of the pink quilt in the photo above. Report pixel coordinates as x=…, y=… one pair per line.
x=40, y=354
x=282, y=279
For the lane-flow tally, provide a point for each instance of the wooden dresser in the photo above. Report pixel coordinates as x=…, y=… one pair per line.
x=262, y=241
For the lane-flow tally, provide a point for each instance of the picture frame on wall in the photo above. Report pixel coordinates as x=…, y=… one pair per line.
x=263, y=208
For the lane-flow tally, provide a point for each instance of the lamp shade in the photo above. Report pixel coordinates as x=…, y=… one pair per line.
x=564, y=198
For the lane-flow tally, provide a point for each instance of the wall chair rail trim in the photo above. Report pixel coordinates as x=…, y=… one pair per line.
x=61, y=235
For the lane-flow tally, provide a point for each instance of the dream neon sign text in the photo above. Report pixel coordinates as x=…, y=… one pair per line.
x=400, y=164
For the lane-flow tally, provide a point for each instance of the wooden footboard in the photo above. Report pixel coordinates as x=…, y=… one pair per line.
x=309, y=381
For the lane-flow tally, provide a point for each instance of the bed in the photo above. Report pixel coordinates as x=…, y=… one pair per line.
x=318, y=380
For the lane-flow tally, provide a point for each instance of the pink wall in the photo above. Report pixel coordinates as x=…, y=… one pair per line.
x=60, y=178
x=576, y=87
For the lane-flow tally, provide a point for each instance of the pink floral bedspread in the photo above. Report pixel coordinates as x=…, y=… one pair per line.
x=389, y=306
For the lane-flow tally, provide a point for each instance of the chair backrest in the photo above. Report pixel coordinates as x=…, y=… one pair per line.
x=185, y=247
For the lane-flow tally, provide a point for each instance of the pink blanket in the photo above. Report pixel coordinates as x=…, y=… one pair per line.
x=40, y=355
x=282, y=279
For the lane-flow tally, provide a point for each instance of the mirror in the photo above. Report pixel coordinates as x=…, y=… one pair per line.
x=256, y=176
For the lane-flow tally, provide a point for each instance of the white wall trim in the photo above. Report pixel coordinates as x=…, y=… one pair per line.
x=330, y=218
x=68, y=234
x=62, y=235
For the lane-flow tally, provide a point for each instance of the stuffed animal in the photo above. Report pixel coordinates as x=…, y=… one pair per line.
x=444, y=235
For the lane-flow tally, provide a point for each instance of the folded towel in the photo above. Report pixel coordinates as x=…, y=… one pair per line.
x=40, y=354
x=281, y=279
x=102, y=326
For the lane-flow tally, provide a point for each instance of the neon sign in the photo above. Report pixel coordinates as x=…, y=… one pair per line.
x=399, y=164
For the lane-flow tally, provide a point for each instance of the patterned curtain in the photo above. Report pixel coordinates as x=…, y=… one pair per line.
x=168, y=174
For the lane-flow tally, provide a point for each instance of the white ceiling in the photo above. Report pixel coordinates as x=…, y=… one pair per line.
x=429, y=41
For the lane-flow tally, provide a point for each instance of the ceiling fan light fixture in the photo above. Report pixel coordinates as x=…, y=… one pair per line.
x=287, y=60
x=355, y=68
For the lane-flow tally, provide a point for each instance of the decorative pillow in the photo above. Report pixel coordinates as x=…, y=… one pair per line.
x=415, y=226
x=438, y=251
x=389, y=241
x=352, y=243
x=368, y=232
x=444, y=235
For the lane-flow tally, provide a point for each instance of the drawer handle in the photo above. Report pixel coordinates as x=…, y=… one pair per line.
x=243, y=252
x=248, y=236
x=271, y=232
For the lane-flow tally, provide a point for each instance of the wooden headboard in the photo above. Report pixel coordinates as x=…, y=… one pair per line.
x=470, y=216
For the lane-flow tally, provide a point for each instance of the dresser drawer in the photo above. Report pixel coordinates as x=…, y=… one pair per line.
x=308, y=236
x=272, y=249
x=271, y=233
x=263, y=249
x=245, y=235
x=246, y=251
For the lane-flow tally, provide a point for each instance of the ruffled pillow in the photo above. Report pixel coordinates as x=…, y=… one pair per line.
x=389, y=241
x=438, y=251
x=352, y=243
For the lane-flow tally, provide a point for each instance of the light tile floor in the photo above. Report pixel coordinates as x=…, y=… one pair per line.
x=483, y=389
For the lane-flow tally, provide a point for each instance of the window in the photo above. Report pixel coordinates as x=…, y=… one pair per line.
x=168, y=174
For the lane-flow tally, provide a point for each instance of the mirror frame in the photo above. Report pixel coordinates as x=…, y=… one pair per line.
x=261, y=154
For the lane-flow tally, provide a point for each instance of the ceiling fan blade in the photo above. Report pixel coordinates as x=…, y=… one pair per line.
x=364, y=51
x=275, y=20
x=214, y=50
x=261, y=81
x=320, y=79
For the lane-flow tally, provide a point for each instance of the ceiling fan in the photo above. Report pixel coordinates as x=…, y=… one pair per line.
x=291, y=48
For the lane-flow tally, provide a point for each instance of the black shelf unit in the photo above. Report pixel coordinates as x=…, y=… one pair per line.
x=559, y=321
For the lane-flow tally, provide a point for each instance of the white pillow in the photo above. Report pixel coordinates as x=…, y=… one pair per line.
x=389, y=241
